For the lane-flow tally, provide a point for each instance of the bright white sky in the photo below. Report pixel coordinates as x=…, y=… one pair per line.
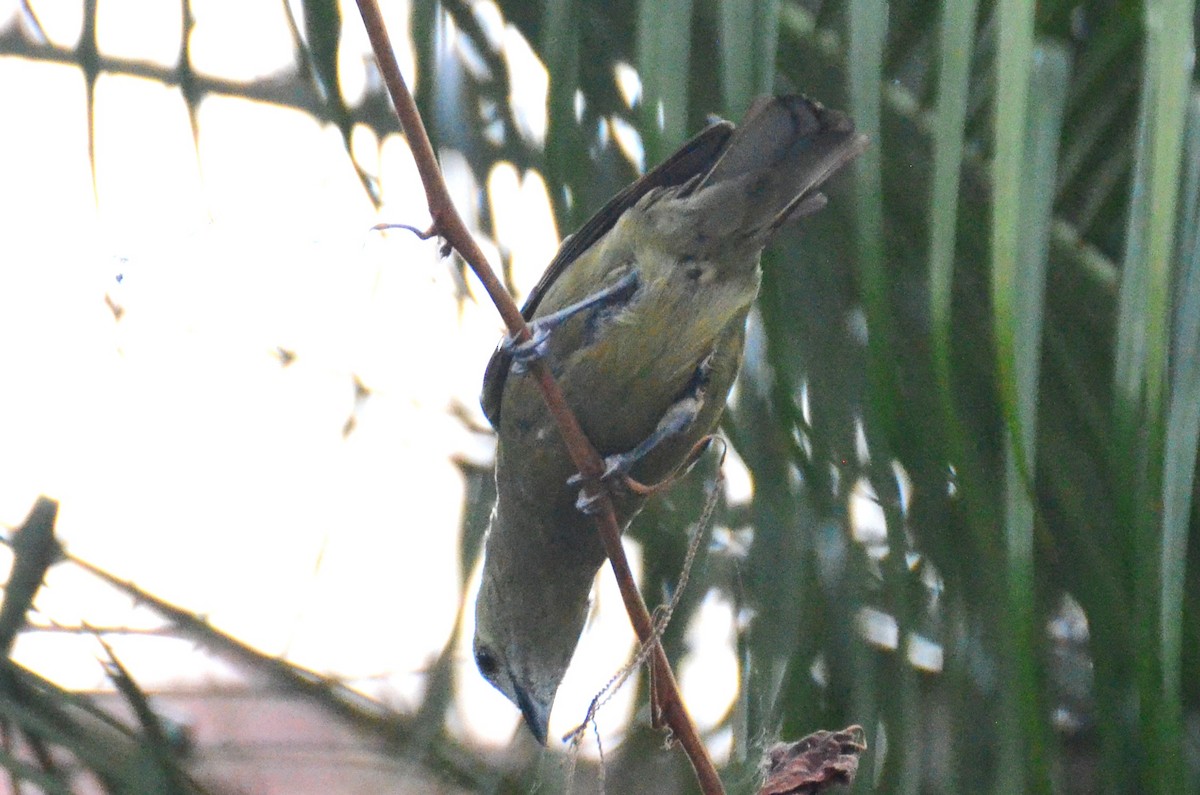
x=184, y=456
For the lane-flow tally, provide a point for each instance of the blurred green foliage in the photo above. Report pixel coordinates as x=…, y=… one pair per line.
x=992, y=331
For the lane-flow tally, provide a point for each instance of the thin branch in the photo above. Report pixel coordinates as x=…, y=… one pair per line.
x=450, y=226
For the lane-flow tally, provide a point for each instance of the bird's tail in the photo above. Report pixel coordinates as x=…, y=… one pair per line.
x=775, y=162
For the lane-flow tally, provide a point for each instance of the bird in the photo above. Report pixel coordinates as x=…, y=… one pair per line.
x=641, y=318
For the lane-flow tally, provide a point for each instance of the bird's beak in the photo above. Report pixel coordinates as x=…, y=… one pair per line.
x=537, y=715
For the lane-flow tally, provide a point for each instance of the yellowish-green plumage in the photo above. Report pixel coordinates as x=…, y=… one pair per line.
x=692, y=231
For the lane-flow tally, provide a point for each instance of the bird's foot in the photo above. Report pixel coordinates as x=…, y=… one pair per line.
x=524, y=352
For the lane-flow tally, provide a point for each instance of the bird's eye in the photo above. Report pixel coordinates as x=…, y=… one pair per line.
x=487, y=662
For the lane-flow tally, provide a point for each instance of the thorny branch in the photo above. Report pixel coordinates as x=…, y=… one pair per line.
x=450, y=226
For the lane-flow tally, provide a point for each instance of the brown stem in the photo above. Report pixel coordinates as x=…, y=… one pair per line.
x=449, y=224
x=665, y=693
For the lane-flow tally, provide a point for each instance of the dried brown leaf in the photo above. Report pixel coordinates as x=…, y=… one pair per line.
x=813, y=764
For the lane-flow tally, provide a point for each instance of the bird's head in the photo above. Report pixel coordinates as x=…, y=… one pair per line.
x=525, y=635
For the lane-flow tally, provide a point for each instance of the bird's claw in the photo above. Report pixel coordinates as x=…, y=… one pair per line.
x=523, y=353
x=618, y=464
x=616, y=469
x=587, y=503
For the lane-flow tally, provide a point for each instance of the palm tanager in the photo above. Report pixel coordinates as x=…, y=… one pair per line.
x=641, y=317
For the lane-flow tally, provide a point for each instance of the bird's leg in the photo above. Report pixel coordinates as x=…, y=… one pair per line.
x=535, y=347
x=678, y=417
